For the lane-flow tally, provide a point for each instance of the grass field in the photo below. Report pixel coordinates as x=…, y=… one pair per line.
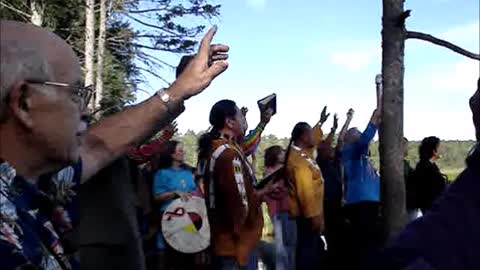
x=452, y=173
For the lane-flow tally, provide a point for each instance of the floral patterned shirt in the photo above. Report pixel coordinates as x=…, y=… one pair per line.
x=34, y=218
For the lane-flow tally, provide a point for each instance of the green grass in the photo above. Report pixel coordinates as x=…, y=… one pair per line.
x=453, y=173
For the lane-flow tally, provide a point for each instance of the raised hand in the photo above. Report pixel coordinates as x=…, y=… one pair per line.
x=266, y=115
x=379, y=83
x=244, y=111
x=210, y=61
x=170, y=130
x=335, y=121
x=350, y=113
x=378, y=79
x=324, y=116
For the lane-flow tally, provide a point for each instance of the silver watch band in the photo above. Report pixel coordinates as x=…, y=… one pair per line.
x=174, y=108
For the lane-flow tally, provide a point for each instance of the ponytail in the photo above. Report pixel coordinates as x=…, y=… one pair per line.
x=205, y=142
x=287, y=155
x=297, y=132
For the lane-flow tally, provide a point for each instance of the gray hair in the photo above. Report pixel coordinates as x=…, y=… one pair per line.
x=19, y=61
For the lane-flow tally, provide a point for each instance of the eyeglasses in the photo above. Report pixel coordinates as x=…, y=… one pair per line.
x=80, y=94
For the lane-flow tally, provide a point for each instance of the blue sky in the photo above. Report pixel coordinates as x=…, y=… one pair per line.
x=316, y=53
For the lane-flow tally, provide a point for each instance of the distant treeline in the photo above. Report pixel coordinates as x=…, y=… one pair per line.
x=452, y=161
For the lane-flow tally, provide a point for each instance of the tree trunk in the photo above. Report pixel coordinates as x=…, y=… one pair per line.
x=101, y=53
x=90, y=45
x=37, y=13
x=391, y=134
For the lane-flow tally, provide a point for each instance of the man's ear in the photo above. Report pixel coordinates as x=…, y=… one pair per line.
x=229, y=122
x=20, y=103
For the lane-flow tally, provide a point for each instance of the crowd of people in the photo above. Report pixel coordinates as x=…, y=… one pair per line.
x=80, y=195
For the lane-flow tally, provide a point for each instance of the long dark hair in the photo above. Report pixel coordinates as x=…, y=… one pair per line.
x=428, y=147
x=218, y=114
x=271, y=155
x=164, y=160
x=297, y=133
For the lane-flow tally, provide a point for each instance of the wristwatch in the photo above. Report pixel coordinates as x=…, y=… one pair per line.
x=173, y=108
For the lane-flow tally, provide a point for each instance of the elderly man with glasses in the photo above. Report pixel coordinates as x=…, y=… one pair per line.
x=42, y=104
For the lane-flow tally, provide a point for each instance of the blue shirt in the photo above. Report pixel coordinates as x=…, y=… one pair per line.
x=168, y=180
x=362, y=183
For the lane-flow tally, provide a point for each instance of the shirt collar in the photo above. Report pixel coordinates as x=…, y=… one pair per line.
x=296, y=148
x=226, y=137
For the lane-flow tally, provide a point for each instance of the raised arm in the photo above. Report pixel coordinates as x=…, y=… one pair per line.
x=375, y=120
x=252, y=140
x=145, y=152
x=343, y=131
x=318, y=132
x=331, y=135
x=115, y=135
x=377, y=115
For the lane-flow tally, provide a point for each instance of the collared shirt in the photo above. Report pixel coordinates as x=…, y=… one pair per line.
x=361, y=180
x=30, y=223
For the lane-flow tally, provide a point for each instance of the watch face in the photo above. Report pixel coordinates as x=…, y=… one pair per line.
x=165, y=97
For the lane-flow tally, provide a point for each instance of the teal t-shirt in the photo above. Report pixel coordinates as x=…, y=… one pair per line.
x=173, y=179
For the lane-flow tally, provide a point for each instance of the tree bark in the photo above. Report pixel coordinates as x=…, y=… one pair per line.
x=90, y=45
x=37, y=13
x=391, y=134
x=101, y=53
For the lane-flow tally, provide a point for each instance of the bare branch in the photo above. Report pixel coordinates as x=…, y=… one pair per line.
x=157, y=48
x=147, y=10
x=21, y=13
x=146, y=47
x=154, y=74
x=442, y=43
x=153, y=26
x=147, y=57
x=155, y=36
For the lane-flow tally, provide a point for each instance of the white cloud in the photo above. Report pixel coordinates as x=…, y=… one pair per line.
x=459, y=77
x=256, y=4
x=436, y=100
x=467, y=32
x=352, y=60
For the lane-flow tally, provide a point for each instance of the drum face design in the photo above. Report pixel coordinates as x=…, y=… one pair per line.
x=185, y=225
